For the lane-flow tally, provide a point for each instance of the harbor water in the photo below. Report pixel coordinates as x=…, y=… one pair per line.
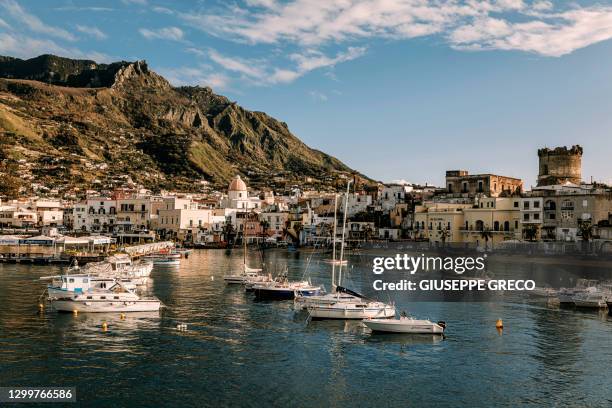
x=240, y=352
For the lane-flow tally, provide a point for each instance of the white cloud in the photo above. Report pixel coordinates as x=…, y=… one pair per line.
x=262, y=72
x=162, y=10
x=556, y=35
x=32, y=22
x=318, y=96
x=314, y=59
x=166, y=33
x=247, y=67
x=22, y=46
x=93, y=31
x=138, y=2
x=4, y=24
x=536, y=26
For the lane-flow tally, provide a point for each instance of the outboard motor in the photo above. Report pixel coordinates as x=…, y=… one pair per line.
x=442, y=324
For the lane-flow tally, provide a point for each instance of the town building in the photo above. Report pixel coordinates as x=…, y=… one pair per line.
x=461, y=183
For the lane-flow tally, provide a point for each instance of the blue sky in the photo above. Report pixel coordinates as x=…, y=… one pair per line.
x=397, y=89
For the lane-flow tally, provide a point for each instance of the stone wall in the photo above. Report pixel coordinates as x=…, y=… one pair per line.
x=560, y=165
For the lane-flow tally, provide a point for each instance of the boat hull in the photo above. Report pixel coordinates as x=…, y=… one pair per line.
x=395, y=326
x=283, y=293
x=106, y=306
x=350, y=313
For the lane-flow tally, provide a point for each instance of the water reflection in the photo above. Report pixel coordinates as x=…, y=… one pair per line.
x=239, y=352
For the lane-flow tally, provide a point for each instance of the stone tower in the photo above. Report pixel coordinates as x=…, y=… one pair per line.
x=560, y=165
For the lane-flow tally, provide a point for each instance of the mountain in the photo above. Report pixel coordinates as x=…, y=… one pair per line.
x=79, y=124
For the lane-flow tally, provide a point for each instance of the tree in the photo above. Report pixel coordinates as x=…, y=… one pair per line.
x=585, y=230
x=530, y=232
x=228, y=232
x=265, y=225
x=485, y=233
x=444, y=234
x=9, y=186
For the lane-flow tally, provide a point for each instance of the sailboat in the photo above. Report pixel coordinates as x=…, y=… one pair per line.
x=343, y=303
x=333, y=260
x=247, y=272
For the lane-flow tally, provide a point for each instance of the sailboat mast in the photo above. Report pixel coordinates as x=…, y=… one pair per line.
x=348, y=184
x=333, y=280
x=244, y=228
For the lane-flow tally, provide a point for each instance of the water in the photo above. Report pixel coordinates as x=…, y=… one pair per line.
x=240, y=352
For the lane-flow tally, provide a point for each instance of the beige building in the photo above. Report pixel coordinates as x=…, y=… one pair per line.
x=460, y=182
x=439, y=222
x=499, y=216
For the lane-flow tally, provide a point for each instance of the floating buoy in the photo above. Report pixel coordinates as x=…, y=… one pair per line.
x=212, y=278
x=122, y=316
x=499, y=324
x=75, y=312
x=41, y=307
x=104, y=326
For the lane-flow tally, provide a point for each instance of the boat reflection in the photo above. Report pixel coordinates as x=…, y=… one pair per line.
x=404, y=339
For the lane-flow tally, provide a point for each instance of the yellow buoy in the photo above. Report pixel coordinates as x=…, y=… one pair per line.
x=122, y=316
x=41, y=306
x=499, y=324
x=104, y=326
x=75, y=312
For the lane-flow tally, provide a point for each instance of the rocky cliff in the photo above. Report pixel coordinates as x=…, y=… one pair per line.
x=72, y=123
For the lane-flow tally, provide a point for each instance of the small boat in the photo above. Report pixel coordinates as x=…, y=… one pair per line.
x=346, y=304
x=165, y=259
x=405, y=324
x=115, y=299
x=283, y=289
x=73, y=284
x=591, y=297
x=546, y=292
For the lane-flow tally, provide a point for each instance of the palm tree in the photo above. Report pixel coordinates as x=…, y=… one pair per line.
x=531, y=232
x=485, y=234
x=265, y=225
x=585, y=230
x=444, y=234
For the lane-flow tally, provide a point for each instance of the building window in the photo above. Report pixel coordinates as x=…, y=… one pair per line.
x=506, y=225
x=536, y=204
x=536, y=216
x=450, y=188
x=516, y=204
x=526, y=205
x=525, y=217
x=496, y=226
x=515, y=224
x=480, y=186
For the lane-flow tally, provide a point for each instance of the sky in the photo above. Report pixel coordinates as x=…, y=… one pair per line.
x=397, y=89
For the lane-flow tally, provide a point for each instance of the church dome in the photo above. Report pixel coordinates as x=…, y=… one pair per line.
x=237, y=184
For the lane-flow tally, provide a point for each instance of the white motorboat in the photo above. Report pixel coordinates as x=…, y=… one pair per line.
x=69, y=285
x=281, y=288
x=405, y=324
x=115, y=299
x=120, y=266
x=546, y=292
x=567, y=296
x=164, y=259
x=591, y=297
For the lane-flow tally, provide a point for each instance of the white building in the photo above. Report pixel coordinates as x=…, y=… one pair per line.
x=238, y=197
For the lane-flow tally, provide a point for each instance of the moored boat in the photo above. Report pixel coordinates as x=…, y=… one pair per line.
x=115, y=299
x=405, y=324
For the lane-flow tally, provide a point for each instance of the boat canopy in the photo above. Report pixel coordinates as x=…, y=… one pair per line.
x=350, y=292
